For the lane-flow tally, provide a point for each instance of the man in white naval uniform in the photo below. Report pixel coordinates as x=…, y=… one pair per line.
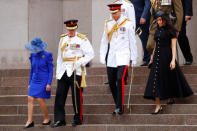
x=118, y=50
x=127, y=10
x=74, y=52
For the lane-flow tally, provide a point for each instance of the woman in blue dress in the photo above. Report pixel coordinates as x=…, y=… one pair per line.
x=40, y=79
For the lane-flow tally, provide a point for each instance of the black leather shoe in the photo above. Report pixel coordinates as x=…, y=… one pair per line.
x=30, y=125
x=144, y=63
x=48, y=123
x=58, y=123
x=76, y=122
x=188, y=63
x=106, y=83
x=117, y=111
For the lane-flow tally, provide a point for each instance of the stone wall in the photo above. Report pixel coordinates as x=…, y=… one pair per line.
x=45, y=21
x=22, y=20
x=13, y=32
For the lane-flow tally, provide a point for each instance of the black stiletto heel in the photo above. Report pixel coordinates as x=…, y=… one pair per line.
x=30, y=125
x=159, y=111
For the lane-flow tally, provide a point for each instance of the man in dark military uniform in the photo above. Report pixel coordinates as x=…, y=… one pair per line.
x=182, y=39
x=167, y=6
x=142, y=13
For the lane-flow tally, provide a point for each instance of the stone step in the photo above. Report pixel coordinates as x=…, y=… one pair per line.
x=104, y=109
x=93, y=99
x=91, y=80
x=104, y=127
x=139, y=70
x=91, y=71
x=102, y=89
x=125, y=119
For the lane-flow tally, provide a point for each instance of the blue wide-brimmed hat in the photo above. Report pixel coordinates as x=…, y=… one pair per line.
x=36, y=45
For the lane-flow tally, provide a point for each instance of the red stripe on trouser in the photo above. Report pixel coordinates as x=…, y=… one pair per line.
x=81, y=104
x=125, y=70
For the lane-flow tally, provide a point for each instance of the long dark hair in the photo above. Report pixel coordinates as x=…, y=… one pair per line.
x=168, y=24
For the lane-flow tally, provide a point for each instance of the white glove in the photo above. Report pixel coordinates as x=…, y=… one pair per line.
x=77, y=64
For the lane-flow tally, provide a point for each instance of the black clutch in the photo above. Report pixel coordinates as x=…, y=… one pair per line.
x=150, y=65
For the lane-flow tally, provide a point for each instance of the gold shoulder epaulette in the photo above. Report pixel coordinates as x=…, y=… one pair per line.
x=63, y=35
x=106, y=25
x=82, y=36
x=129, y=2
x=115, y=1
x=108, y=20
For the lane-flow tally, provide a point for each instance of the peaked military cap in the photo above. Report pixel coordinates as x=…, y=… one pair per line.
x=114, y=7
x=71, y=24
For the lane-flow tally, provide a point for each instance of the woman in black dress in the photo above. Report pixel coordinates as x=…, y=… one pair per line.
x=166, y=80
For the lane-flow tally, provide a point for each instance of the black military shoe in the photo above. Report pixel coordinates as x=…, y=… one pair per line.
x=188, y=63
x=58, y=123
x=117, y=111
x=106, y=83
x=76, y=122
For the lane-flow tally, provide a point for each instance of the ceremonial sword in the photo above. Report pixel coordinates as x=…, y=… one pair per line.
x=75, y=93
x=132, y=76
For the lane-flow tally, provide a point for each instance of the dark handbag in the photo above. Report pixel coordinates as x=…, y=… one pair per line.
x=138, y=31
x=150, y=65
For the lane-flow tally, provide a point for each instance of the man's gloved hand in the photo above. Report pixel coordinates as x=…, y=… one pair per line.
x=77, y=64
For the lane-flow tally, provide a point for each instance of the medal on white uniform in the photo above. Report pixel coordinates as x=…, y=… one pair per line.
x=122, y=30
x=75, y=46
x=166, y=2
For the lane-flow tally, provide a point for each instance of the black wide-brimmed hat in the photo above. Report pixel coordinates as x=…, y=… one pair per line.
x=159, y=14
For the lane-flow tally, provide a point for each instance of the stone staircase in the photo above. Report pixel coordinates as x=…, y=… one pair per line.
x=98, y=105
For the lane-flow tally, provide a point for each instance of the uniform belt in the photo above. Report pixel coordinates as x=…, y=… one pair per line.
x=72, y=59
